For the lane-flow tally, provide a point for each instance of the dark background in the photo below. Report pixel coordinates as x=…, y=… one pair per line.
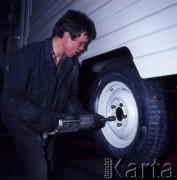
x=10, y=11
x=5, y=11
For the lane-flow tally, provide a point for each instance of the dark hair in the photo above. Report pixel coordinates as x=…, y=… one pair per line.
x=75, y=23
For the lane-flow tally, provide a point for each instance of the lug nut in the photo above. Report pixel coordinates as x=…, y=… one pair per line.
x=119, y=124
x=113, y=106
x=121, y=104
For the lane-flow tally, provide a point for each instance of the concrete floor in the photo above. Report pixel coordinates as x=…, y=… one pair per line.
x=77, y=158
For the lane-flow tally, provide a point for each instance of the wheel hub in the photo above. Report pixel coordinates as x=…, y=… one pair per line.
x=120, y=114
x=117, y=100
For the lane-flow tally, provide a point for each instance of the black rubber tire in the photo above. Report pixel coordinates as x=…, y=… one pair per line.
x=154, y=121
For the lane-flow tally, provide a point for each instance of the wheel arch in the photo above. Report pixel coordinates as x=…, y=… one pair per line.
x=96, y=63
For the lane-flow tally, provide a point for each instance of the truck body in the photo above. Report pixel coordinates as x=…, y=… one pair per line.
x=146, y=28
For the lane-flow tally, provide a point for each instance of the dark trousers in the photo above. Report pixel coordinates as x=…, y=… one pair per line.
x=35, y=154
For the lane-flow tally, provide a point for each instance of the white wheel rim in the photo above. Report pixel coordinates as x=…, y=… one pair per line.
x=117, y=100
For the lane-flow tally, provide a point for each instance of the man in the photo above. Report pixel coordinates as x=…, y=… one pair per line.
x=40, y=87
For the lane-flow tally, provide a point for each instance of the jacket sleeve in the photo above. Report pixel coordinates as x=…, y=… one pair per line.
x=14, y=99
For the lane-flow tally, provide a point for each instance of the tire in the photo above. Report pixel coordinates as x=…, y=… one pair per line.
x=141, y=132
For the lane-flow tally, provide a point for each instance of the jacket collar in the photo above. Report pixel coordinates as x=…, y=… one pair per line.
x=48, y=57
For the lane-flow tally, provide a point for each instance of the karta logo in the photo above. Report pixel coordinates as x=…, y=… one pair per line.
x=112, y=169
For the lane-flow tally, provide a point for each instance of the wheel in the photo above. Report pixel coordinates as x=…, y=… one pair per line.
x=141, y=131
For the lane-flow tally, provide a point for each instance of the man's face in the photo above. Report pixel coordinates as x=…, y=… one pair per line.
x=73, y=47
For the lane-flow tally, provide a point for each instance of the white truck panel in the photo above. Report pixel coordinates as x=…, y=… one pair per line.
x=153, y=64
x=147, y=28
x=42, y=22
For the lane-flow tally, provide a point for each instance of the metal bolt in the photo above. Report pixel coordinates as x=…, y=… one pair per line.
x=119, y=124
x=121, y=104
x=113, y=106
x=124, y=116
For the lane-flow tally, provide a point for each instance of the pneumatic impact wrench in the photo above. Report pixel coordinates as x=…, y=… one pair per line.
x=74, y=124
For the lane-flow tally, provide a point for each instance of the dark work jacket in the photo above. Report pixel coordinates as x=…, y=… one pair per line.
x=32, y=90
